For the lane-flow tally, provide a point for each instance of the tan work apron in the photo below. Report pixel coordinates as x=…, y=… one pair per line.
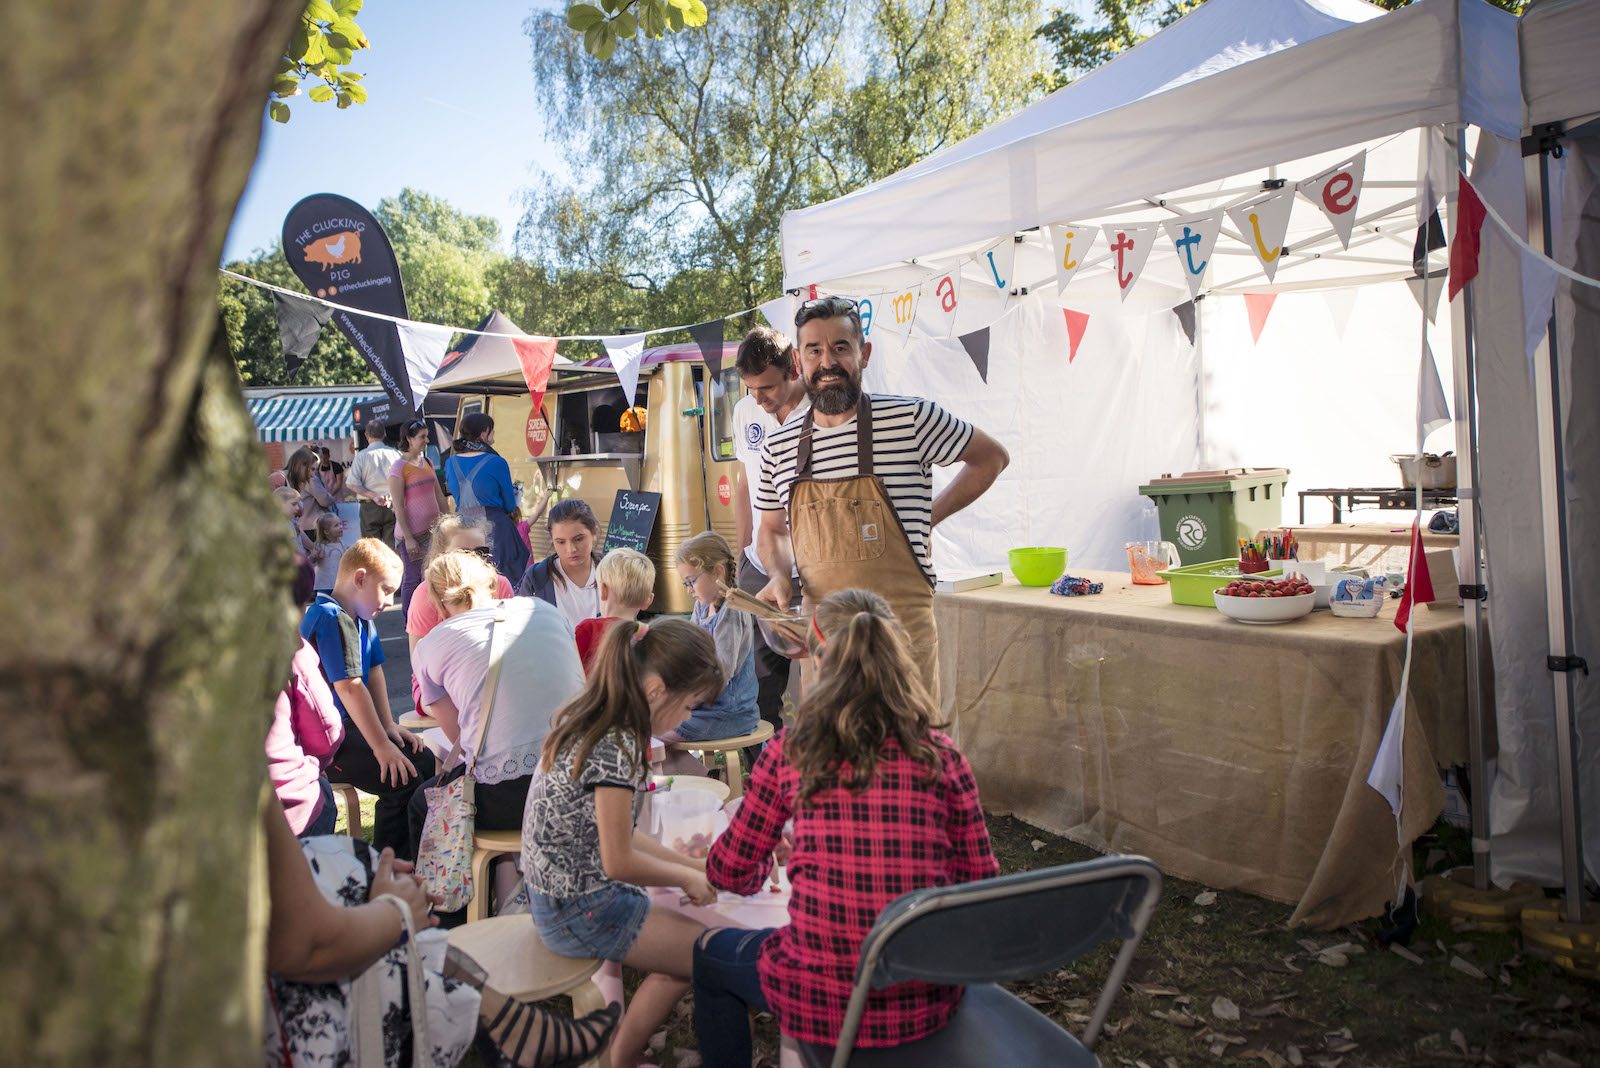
x=847, y=534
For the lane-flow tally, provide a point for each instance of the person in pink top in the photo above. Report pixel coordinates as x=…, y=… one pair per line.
x=418, y=501
x=306, y=731
x=469, y=534
x=882, y=803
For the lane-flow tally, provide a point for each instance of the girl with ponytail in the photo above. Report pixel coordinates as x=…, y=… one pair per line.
x=583, y=860
x=882, y=803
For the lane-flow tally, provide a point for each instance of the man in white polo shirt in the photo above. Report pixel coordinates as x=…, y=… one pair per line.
x=767, y=366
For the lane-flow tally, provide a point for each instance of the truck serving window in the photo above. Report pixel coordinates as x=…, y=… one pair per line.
x=590, y=421
x=725, y=394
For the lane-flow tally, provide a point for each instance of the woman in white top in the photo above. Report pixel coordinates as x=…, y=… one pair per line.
x=539, y=672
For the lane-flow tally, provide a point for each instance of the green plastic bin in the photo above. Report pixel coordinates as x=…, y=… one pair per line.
x=1193, y=584
x=1205, y=513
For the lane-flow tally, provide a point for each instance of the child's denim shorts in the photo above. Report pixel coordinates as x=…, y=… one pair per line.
x=602, y=924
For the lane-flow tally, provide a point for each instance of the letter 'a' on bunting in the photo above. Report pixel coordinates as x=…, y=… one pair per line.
x=1337, y=193
x=1193, y=237
x=1077, y=323
x=626, y=352
x=947, y=295
x=1072, y=243
x=1264, y=224
x=1130, y=248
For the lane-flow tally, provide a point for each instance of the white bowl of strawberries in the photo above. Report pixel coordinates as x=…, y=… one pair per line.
x=1266, y=600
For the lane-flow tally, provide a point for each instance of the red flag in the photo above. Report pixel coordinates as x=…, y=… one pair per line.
x=1470, y=215
x=1258, y=306
x=537, y=355
x=1419, y=584
x=1077, y=323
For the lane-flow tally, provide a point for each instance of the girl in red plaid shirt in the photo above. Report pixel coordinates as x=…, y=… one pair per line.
x=883, y=803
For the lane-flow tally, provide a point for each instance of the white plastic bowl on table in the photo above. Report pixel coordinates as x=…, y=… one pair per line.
x=1264, y=609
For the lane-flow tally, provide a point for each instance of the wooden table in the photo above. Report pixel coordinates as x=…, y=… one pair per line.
x=1381, y=547
x=1234, y=755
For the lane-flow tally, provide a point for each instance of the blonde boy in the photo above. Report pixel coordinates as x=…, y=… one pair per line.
x=627, y=582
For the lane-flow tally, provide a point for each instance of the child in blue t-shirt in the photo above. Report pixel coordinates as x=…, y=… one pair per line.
x=377, y=757
x=705, y=561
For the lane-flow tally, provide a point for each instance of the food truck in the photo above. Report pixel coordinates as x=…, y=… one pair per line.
x=582, y=442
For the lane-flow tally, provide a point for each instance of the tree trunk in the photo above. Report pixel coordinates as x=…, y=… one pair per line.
x=145, y=565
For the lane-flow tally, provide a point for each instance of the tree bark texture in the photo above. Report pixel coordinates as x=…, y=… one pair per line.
x=145, y=563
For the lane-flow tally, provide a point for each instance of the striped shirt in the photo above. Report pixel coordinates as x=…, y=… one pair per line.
x=909, y=436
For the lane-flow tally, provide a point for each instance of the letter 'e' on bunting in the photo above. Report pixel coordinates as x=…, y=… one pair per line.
x=626, y=352
x=1130, y=248
x=708, y=336
x=977, y=346
x=901, y=309
x=1193, y=238
x=1336, y=192
x=947, y=295
x=1077, y=323
x=1072, y=243
x=1264, y=224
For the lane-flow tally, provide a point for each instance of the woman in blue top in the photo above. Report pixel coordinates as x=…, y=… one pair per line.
x=480, y=481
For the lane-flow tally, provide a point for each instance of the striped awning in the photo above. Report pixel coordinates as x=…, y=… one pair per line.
x=306, y=417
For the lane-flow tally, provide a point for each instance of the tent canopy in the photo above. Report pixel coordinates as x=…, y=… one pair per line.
x=1560, y=74
x=485, y=355
x=306, y=416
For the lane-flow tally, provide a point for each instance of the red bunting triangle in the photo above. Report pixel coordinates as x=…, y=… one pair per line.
x=1077, y=321
x=1419, y=583
x=537, y=355
x=1470, y=215
x=1259, y=305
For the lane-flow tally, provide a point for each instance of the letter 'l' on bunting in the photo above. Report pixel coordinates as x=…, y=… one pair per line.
x=708, y=336
x=1264, y=224
x=1194, y=237
x=1072, y=244
x=1337, y=192
x=537, y=355
x=1077, y=322
x=997, y=263
x=977, y=346
x=626, y=352
x=1259, y=306
x=947, y=294
x=424, y=347
x=900, y=307
x=1130, y=248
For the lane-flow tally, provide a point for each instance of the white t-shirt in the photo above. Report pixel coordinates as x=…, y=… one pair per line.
x=577, y=603
x=753, y=424
x=539, y=672
x=370, y=470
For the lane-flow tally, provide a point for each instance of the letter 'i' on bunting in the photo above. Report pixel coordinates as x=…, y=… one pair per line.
x=626, y=352
x=1337, y=192
x=1130, y=248
x=1077, y=322
x=1194, y=238
x=708, y=336
x=977, y=346
x=1072, y=244
x=1264, y=224
x=1259, y=306
x=902, y=309
x=536, y=355
x=947, y=294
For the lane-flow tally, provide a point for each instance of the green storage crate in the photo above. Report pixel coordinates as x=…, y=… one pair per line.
x=1193, y=584
x=1205, y=513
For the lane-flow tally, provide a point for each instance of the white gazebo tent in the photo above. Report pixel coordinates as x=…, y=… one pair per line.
x=1217, y=107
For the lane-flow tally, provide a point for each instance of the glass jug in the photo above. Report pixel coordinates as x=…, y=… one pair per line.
x=1145, y=558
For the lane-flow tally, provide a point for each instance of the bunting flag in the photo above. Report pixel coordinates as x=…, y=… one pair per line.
x=1388, y=764
x=1469, y=221
x=1185, y=314
x=1259, y=306
x=900, y=308
x=1419, y=583
x=1433, y=411
x=1538, y=299
x=867, y=308
x=997, y=262
x=1337, y=191
x=1425, y=291
x=300, y=324
x=1077, y=322
x=779, y=313
x=947, y=294
x=1130, y=248
x=708, y=335
x=1072, y=244
x=1194, y=237
x=1341, y=303
x=626, y=352
x=424, y=347
x=1429, y=238
x=1264, y=223
x=977, y=346
x=537, y=355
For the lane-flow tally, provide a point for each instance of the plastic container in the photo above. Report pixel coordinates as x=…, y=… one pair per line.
x=1146, y=558
x=1205, y=513
x=1039, y=566
x=666, y=784
x=686, y=820
x=1193, y=584
x=1358, y=598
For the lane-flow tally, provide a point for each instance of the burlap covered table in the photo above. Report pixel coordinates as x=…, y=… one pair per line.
x=1233, y=755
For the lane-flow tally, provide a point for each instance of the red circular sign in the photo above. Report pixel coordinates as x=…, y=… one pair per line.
x=724, y=490
x=538, y=434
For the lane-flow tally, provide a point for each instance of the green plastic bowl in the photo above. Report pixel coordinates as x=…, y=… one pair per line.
x=1038, y=566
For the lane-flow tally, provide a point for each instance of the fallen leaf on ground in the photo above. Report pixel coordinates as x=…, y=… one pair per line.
x=657, y=1041
x=1341, y=1045
x=1197, y=918
x=1308, y=945
x=1401, y=951
x=1332, y=958
x=1223, y=1009
x=1459, y=1040
x=1037, y=845
x=1272, y=1009
x=688, y=1059
x=1171, y=1062
x=1276, y=1060
x=1206, y=897
x=1293, y=1053
x=1466, y=967
x=1151, y=990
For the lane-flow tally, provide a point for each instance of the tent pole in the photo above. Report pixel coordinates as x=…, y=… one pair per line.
x=1200, y=383
x=1558, y=587
x=1471, y=564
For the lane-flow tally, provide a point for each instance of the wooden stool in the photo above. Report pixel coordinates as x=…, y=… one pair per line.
x=352, y=808
x=518, y=965
x=486, y=846
x=416, y=721
x=732, y=747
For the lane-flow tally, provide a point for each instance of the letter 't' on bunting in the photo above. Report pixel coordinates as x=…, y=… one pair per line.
x=1263, y=224
x=1130, y=248
x=1337, y=192
x=977, y=346
x=947, y=295
x=424, y=347
x=1259, y=306
x=1072, y=244
x=1077, y=323
x=1470, y=215
x=1194, y=237
x=708, y=335
x=626, y=352
x=300, y=324
x=901, y=309
x=1185, y=314
x=536, y=355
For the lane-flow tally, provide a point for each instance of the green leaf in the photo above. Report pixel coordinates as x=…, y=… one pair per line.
x=674, y=19
x=358, y=93
x=344, y=101
x=592, y=36
x=608, y=42
x=278, y=110
x=653, y=17
x=584, y=17
x=313, y=53
x=321, y=94
x=347, y=8
x=285, y=85
x=695, y=13
x=286, y=65
x=300, y=42
x=625, y=25
x=612, y=6
x=337, y=55
x=320, y=11
x=351, y=76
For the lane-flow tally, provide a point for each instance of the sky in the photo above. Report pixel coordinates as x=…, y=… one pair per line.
x=451, y=111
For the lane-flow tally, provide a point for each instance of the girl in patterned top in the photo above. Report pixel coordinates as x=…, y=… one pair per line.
x=883, y=803
x=582, y=857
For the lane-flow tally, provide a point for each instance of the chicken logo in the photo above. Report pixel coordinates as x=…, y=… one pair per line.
x=343, y=247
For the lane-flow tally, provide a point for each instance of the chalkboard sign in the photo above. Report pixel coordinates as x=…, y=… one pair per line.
x=633, y=516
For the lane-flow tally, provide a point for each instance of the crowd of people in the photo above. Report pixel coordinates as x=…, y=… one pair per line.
x=553, y=691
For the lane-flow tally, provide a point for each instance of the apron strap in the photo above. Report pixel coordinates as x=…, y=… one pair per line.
x=802, y=450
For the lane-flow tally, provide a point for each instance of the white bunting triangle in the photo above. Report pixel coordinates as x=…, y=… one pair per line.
x=945, y=292
x=1425, y=291
x=1263, y=225
x=1194, y=237
x=779, y=313
x=1072, y=243
x=626, y=352
x=869, y=308
x=1341, y=303
x=900, y=310
x=424, y=347
x=1433, y=411
x=996, y=264
x=1337, y=193
x=1130, y=248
